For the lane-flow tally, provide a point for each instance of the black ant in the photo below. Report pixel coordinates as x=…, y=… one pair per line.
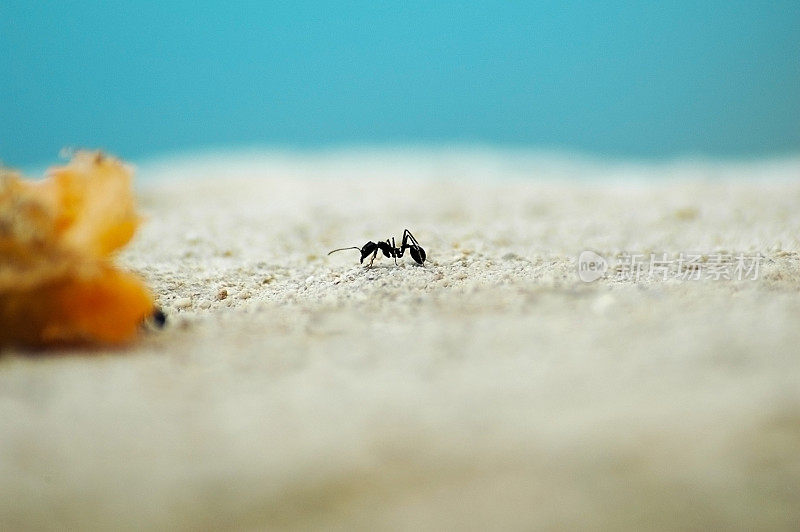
x=389, y=249
x=156, y=319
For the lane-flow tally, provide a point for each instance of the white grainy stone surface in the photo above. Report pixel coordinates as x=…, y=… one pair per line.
x=489, y=389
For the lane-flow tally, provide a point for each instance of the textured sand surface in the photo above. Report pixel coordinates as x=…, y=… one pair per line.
x=491, y=388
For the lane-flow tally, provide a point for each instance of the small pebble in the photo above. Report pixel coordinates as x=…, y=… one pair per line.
x=222, y=294
x=182, y=303
x=204, y=304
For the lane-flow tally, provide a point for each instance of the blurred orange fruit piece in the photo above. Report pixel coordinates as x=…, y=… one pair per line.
x=57, y=281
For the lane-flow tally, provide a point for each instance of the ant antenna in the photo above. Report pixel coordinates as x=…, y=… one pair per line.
x=342, y=249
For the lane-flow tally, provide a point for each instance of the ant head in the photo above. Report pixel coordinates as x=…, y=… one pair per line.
x=368, y=249
x=417, y=253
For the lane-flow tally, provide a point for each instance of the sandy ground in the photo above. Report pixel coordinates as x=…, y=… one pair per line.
x=491, y=388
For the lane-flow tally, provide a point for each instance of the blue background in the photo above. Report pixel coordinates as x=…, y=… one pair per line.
x=644, y=80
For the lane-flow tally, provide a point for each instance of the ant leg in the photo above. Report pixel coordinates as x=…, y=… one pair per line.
x=373, y=257
x=407, y=235
x=401, y=250
x=394, y=251
x=417, y=253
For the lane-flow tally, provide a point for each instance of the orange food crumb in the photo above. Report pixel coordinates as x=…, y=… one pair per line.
x=57, y=281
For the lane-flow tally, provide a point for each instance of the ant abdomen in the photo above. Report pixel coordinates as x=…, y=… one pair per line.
x=417, y=253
